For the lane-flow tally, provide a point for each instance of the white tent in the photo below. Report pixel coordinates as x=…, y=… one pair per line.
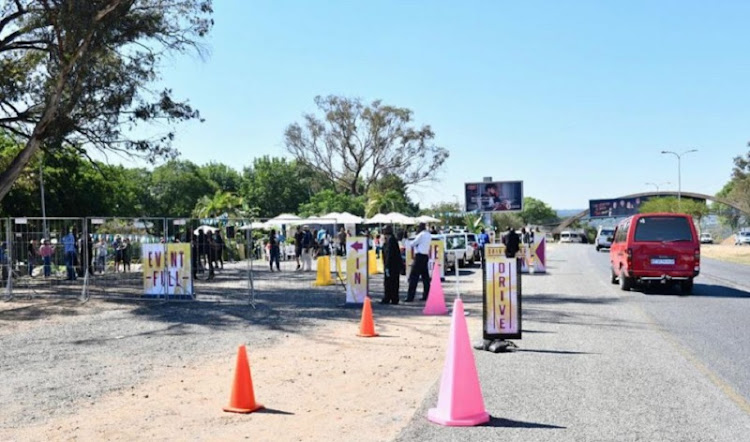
x=380, y=218
x=314, y=220
x=426, y=219
x=284, y=218
x=343, y=218
x=399, y=218
x=254, y=225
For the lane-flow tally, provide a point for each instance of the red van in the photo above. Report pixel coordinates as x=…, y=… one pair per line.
x=651, y=248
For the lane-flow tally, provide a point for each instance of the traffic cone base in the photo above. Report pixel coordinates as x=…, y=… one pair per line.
x=435, y=304
x=460, y=401
x=367, y=326
x=242, y=399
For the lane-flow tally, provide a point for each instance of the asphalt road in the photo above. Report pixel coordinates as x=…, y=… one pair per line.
x=596, y=363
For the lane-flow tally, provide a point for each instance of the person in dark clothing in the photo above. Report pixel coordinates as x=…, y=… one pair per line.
x=511, y=241
x=392, y=264
x=298, y=236
x=275, y=251
x=219, y=245
x=194, y=255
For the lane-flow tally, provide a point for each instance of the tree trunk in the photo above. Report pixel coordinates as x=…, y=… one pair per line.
x=9, y=176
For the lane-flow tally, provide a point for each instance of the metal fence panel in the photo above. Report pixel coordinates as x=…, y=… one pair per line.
x=115, y=247
x=47, y=256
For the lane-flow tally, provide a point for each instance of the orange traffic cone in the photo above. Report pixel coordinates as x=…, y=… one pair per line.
x=367, y=327
x=242, y=399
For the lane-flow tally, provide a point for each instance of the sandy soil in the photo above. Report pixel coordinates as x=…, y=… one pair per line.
x=727, y=252
x=335, y=387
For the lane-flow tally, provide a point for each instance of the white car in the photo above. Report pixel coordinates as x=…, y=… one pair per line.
x=567, y=236
x=603, y=238
x=459, y=244
x=742, y=238
x=706, y=238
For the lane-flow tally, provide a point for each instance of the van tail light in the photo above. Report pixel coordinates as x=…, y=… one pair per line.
x=697, y=260
x=630, y=258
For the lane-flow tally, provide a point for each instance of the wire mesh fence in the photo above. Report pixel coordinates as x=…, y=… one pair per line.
x=218, y=260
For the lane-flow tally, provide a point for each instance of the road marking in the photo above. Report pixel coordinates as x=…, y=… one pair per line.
x=724, y=386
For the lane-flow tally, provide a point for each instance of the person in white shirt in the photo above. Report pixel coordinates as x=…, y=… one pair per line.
x=421, y=245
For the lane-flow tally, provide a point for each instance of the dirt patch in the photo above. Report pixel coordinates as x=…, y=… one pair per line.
x=727, y=252
x=334, y=386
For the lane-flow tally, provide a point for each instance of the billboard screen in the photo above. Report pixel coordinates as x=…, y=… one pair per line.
x=495, y=196
x=608, y=208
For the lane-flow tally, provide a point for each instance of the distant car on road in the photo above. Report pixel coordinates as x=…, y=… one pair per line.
x=570, y=237
x=706, y=238
x=604, y=238
x=742, y=238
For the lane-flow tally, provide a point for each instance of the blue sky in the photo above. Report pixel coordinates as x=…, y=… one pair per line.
x=575, y=98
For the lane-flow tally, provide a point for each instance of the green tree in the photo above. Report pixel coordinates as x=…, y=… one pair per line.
x=728, y=216
x=275, y=185
x=670, y=204
x=503, y=220
x=176, y=187
x=449, y=213
x=75, y=75
x=223, y=177
x=537, y=212
x=218, y=204
x=331, y=201
x=354, y=144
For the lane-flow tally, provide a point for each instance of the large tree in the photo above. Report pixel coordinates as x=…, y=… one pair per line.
x=74, y=74
x=537, y=212
x=274, y=185
x=354, y=144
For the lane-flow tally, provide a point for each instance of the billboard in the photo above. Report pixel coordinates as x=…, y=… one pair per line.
x=495, y=196
x=615, y=207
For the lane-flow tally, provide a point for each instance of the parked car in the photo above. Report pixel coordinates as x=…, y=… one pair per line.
x=706, y=238
x=449, y=256
x=655, y=248
x=742, y=238
x=570, y=237
x=603, y=238
x=460, y=245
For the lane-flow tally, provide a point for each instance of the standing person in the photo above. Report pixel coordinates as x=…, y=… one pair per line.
x=307, y=244
x=31, y=253
x=194, y=255
x=392, y=264
x=210, y=254
x=69, y=248
x=219, y=244
x=4, y=260
x=298, y=236
x=126, y=251
x=273, y=242
x=117, y=245
x=421, y=246
x=342, y=242
x=46, y=252
x=101, y=256
x=511, y=241
x=482, y=240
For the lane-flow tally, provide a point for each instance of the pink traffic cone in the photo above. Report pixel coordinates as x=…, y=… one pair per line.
x=436, y=298
x=460, y=401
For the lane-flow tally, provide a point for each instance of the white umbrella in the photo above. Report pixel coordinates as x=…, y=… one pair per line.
x=205, y=229
x=343, y=218
x=314, y=220
x=426, y=219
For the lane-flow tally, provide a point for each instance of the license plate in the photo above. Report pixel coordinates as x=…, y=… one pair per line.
x=662, y=261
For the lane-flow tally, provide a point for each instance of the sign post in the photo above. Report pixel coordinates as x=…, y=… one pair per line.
x=502, y=296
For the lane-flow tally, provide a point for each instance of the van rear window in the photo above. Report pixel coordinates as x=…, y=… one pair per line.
x=663, y=228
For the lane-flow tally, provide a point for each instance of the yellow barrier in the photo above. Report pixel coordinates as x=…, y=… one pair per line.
x=372, y=263
x=381, y=262
x=324, y=272
x=338, y=267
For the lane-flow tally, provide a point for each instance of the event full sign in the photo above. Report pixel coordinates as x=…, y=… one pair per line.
x=502, y=295
x=167, y=270
x=356, y=269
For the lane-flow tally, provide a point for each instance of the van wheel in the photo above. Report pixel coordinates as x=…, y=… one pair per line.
x=461, y=263
x=613, y=276
x=686, y=287
x=625, y=283
x=598, y=248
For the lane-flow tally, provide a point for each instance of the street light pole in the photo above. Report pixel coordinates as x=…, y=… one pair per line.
x=679, y=172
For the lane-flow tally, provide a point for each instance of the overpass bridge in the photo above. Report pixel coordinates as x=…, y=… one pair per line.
x=568, y=221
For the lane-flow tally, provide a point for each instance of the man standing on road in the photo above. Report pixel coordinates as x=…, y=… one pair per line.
x=392, y=264
x=511, y=241
x=421, y=245
x=69, y=247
